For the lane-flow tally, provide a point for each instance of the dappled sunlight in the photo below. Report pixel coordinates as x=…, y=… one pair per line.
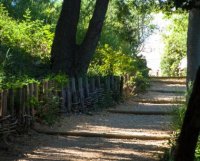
x=108, y=129
x=168, y=87
x=99, y=125
x=114, y=123
x=97, y=148
x=104, y=136
x=94, y=80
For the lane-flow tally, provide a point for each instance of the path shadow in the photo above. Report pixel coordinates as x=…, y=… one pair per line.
x=46, y=148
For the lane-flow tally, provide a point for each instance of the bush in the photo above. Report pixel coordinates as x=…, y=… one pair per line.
x=24, y=45
x=47, y=110
x=108, y=61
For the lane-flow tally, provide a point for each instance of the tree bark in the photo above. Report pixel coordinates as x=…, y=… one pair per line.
x=66, y=55
x=188, y=138
x=64, y=44
x=193, y=44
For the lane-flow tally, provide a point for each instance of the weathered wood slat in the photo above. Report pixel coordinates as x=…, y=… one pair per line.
x=69, y=98
x=5, y=99
x=81, y=93
x=1, y=104
x=11, y=99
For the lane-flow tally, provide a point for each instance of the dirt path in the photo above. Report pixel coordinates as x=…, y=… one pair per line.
x=123, y=135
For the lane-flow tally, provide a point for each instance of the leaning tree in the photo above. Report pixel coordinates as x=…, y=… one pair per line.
x=67, y=55
x=187, y=141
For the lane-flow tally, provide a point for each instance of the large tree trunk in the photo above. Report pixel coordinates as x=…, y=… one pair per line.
x=188, y=138
x=64, y=44
x=66, y=55
x=193, y=44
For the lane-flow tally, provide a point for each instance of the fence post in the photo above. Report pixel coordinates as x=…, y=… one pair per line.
x=19, y=107
x=11, y=101
x=98, y=82
x=92, y=84
x=46, y=91
x=107, y=83
x=81, y=92
x=28, y=95
x=115, y=84
x=87, y=90
x=112, y=83
x=31, y=88
x=69, y=98
x=24, y=96
x=1, y=104
x=74, y=94
x=36, y=95
x=121, y=86
x=4, y=102
x=63, y=100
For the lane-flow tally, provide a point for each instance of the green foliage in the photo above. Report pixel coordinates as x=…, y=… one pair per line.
x=46, y=110
x=175, y=44
x=26, y=34
x=108, y=61
x=178, y=117
x=26, y=38
x=60, y=79
x=140, y=81
x=24, y=45
x=197, y=151
x=121, y=23
x=44, y=10
x=16, y=82
x=121, y=41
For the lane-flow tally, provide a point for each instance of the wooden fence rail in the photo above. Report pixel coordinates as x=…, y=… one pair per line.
x=18, y=106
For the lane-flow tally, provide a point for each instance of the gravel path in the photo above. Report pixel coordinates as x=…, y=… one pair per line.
x=167, y=87
x=41, y=147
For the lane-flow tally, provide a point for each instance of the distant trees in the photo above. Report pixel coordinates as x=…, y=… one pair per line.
x=45, y=10
x=175, y=40
x=193, y=37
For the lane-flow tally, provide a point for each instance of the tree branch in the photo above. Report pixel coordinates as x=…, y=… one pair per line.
x=91, y=39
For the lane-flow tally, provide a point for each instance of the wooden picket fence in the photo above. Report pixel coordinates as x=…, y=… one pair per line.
x=77, y=96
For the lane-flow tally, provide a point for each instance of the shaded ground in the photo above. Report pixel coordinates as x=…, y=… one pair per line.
x=57, y=148
x=41, y=147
